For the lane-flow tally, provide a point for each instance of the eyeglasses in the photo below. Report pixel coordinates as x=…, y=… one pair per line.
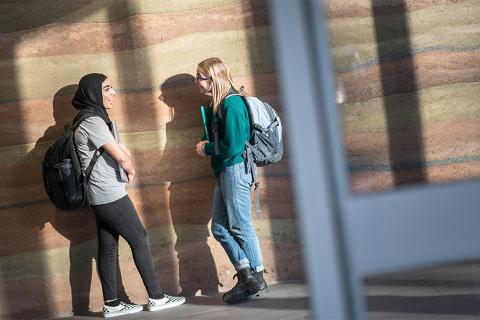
x=199, y=77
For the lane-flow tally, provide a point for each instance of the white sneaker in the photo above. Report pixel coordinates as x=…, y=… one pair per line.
x=121, y=309
x=164, y=303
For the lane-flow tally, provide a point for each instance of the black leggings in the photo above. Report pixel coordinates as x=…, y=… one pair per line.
x=120, y=218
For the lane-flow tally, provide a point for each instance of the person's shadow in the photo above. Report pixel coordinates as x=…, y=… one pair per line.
x=77, y=226
x=191, y=186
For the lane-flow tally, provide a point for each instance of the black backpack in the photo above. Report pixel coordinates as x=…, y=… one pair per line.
x=63, y=178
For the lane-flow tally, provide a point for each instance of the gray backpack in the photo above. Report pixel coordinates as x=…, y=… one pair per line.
x=266, y=144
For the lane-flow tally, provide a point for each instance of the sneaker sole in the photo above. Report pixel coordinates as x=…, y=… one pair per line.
x=167, y=305
x=122, y=313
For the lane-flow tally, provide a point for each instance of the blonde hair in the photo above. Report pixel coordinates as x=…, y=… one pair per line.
x=221, y=82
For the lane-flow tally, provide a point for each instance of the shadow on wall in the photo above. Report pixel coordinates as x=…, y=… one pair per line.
x=404, y=121
x=78, y=226
x=283, y=257
x=75, y=226
x=191, y=189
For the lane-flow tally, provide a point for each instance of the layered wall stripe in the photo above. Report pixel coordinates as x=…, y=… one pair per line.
x=379, y=103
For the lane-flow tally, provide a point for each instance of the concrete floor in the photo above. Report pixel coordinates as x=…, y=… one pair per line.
x=450, y=292
x=284, y=301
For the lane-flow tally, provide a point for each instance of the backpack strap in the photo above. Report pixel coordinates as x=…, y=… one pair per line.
x=256, y=197
x=88, y=171
x=249, y=168
x=272, y=125
x=83, y=116
x=233, y=94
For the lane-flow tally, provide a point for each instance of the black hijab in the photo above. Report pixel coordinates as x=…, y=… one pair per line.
x=89, y=97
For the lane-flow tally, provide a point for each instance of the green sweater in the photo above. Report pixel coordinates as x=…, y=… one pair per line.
x=233, y=131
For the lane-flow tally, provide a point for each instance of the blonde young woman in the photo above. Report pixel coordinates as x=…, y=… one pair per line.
x=232, y=225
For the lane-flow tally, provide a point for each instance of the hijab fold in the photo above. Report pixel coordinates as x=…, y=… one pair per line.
x=89, y=98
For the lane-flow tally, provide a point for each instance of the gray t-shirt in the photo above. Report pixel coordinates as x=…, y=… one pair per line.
x=104, y=185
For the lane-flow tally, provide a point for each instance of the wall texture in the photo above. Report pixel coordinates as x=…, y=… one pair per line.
x=149, y=49
x=408, y=90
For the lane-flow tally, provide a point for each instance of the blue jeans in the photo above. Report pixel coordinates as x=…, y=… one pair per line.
x=232, y=223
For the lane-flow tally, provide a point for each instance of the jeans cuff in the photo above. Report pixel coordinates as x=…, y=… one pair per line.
x=242, y=264
x=258, y=268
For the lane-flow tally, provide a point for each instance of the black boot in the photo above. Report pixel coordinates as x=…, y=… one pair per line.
x=246, y=284
x=261, y=287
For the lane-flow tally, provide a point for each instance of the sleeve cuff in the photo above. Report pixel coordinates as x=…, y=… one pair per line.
x=210, y=148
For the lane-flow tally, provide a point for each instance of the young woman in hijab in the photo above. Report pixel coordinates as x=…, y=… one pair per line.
x=114, y=212
x=232, y=223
